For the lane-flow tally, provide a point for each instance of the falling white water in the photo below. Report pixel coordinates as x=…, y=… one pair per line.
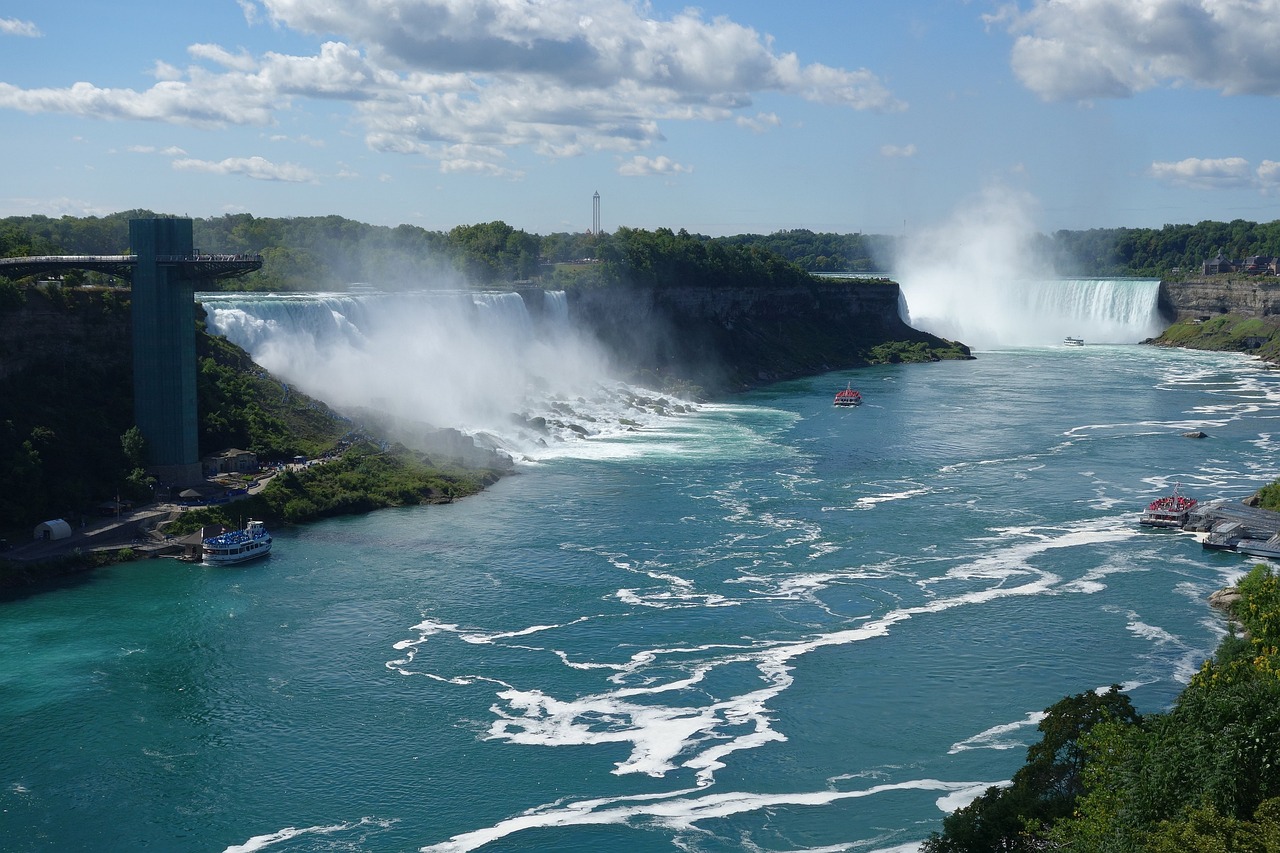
x=982, y=279
x=478, y=362
x=1038, y=313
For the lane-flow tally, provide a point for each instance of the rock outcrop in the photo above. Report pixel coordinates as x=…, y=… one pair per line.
x=1225, y=600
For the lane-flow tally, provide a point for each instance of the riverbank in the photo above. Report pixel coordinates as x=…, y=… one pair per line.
x=363, y=479
x=1258, y=336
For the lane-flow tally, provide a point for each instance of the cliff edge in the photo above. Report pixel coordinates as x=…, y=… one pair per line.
x=731, y=339
x=1208, y=296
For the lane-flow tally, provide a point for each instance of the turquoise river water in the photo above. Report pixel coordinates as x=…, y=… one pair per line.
x=766, y=624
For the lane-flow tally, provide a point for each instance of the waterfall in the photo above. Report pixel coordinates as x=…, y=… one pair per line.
x=556, y=308
x=993, y=313
x=472, y=361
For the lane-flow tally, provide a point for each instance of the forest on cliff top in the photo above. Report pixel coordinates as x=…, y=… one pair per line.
x=330, y=252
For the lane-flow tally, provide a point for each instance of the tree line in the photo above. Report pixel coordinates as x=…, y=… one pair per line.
x=331, y=252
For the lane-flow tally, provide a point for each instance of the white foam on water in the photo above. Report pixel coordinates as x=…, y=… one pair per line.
x=700, y=736
x=871, y=501
x=999, y=737
x=289, y=833
x=676, y=811
x=1154, y=633
x=477, y=638
x=965, y=796
x=1092, y=581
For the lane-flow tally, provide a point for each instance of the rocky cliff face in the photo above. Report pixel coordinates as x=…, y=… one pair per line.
x=65, y=327
x=733, y=338
x=1254, y=296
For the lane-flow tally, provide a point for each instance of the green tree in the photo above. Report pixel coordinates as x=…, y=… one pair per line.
x=1045, y=789
x=134, y=445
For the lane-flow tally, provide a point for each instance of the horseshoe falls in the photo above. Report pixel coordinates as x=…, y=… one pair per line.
x=761, y=624
x=996, y=311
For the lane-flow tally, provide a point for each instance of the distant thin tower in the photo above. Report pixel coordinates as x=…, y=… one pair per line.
x=595, y=214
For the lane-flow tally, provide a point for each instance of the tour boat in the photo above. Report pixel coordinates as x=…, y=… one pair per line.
x=1072, y=342
x=848, y=397
x=236, y=546
x=1169, y=511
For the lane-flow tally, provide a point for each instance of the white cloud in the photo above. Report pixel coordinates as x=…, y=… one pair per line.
x=241, y=61
x=257, y=168
x=558, y=77
x=14, y=27
x=760, y=122
x=1269, y=176
x=640, y=166
x=562, y=77
x=214, y=104
x=908, y=150
x=1210, y=174
x=171, y=151
x=1082, y=49
x=459, y=165
x=305, y=139
x=472, y=159
x=61, y=206
x=250, y=11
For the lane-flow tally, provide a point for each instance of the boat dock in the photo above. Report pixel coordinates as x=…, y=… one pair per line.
x=1254, y=523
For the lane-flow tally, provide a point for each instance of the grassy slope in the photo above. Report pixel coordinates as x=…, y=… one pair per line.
x=1258, y=336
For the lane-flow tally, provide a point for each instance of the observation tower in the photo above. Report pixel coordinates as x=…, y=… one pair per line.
x=165, y=271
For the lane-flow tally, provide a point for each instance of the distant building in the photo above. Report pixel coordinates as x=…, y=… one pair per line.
x=1218, y=265
x=1253, y=265
x=56, y=528
x=1260, y=265
x=230, y=461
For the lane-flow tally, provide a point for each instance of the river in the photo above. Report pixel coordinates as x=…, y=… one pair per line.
x=760, y=624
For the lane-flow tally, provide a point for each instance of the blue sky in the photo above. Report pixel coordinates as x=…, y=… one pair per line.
x=727, y=117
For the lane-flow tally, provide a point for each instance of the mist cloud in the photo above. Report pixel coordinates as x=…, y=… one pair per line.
x=980, y=278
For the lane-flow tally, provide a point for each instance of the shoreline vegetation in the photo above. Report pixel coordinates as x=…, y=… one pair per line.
x=364, y=478
x=1231, y=332
x=1202, y=776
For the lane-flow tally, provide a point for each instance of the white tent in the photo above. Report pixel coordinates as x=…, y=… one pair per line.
x=54, y=529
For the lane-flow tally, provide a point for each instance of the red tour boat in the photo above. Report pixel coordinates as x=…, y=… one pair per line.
x=1169, y=511
x=848, y=397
